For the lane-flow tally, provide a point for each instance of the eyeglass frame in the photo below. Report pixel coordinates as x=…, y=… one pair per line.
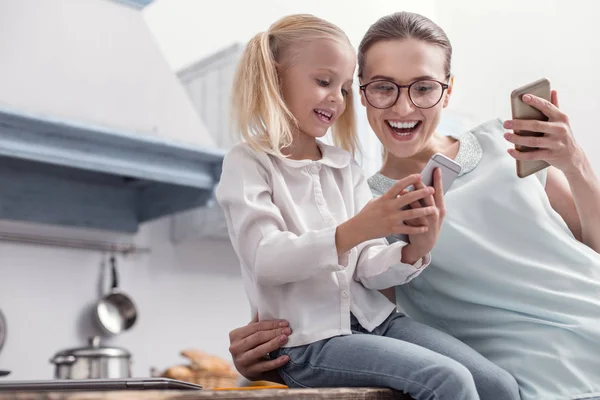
x=363, y=88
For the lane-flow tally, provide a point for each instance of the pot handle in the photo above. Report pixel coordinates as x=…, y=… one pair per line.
x=63, y=360
x=115, y=277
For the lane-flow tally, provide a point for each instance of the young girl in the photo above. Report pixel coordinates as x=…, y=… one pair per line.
x=310, y=238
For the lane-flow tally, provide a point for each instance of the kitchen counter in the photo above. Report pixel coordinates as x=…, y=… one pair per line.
x=338, y=393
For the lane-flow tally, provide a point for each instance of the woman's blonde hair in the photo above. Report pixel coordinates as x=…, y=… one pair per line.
x=260, y=114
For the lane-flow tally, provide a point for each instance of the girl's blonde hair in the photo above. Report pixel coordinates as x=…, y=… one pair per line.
x=260, y=114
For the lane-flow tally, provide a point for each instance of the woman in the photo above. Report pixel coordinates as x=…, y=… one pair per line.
x=515, y=273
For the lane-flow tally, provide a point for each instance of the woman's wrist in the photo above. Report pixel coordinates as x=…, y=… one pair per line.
x=582, y=170
x=410, y=254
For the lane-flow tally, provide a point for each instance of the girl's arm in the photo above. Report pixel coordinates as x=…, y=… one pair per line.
x=258, y=231
x=382, y=265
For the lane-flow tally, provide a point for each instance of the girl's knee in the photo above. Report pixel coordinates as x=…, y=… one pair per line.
x=458, y=373
x=455, y=381
x=497, y=384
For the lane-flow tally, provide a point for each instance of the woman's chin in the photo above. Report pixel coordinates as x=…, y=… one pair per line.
x=402, y=150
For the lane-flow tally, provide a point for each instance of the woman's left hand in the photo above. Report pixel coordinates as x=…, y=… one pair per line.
x=557, y=147
x=422, y=243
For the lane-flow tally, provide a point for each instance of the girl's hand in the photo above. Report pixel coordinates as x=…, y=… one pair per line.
x=557, y=147
x=423, y=243
x=389, y=213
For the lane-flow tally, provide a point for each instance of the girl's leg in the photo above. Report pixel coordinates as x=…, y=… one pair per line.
x=366, y=360
x=492, y=382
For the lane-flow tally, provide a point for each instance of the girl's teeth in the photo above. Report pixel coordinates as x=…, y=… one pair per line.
x=323, y=113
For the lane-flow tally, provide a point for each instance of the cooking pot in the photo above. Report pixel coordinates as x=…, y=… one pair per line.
x=92, y=362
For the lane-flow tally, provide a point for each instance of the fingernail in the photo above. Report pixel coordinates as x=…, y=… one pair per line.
x=508, y=124
x=526, y=97
x=507, y=135
x=286, y=331
x=283, y=324
x=286, y=358
x=283, y=339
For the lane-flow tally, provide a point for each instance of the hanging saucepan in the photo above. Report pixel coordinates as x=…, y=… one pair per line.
x=115, y=312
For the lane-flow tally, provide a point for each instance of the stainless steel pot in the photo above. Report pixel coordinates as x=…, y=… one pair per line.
x=92, y=362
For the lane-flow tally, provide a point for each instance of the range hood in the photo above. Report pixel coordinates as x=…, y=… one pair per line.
x=96, y=130
x=55, y=172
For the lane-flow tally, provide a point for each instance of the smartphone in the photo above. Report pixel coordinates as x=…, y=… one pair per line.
x=450, y=170
x=520, y=110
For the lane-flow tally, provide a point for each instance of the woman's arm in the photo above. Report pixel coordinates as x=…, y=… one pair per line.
x=573, y=188
x=250, y=344
x=577, y=199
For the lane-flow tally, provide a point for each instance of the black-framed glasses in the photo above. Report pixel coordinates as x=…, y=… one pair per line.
x=424, y=93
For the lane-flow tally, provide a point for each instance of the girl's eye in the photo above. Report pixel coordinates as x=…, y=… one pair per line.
x=344, y=92
x=322, y=83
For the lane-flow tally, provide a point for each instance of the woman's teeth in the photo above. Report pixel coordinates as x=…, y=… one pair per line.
x=403, y=128
x=403, y=125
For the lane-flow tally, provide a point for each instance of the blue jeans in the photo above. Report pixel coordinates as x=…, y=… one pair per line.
x=400, y=354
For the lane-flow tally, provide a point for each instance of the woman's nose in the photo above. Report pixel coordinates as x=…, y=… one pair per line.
x=403, y=105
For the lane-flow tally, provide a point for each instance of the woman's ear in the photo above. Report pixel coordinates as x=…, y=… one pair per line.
x=363, y=101
x=448, y=91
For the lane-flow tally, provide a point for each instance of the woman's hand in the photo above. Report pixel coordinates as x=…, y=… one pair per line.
x=557, y=147
x=250, y=344
x=423, y=243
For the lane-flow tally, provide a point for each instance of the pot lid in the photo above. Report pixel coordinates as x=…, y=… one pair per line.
x=94, y=350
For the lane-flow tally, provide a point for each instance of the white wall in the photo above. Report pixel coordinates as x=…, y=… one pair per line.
x=94, y=61
x=501, y=45
x=186, y=30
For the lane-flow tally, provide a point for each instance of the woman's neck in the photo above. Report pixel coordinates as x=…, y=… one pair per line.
x=397, y=168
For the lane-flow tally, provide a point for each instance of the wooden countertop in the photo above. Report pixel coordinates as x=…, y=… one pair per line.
x=336, y=394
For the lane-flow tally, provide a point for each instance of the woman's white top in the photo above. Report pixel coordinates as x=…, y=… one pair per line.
x=282, y=217
x=508, y=278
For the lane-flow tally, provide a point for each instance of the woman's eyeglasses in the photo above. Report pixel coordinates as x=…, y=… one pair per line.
x=424, y=93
